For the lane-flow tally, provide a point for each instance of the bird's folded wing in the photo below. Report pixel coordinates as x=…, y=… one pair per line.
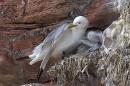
x=48, y=55
x=45, y=59
x=53, y=45
x=52, y=35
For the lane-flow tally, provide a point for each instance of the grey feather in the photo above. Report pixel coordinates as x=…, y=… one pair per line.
x=48, y=55
x=54, y=40
x=54, y=34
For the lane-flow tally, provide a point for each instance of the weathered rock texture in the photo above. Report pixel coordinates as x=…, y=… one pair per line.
x=94, y=69
x=118, y=32
x=30, y=11
x=107, y=67
x=25, y=23
x=78, y=70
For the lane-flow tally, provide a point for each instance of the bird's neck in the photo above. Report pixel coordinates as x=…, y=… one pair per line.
x=78, y=31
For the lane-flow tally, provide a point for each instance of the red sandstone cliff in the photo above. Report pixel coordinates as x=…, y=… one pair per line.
x=25, y=23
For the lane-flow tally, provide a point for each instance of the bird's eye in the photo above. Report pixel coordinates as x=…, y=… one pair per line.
x=79, y=22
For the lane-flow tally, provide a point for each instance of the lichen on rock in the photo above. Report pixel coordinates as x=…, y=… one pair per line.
x=117, y=34
x=107, y=67
x=115, y=70
x=77, y=68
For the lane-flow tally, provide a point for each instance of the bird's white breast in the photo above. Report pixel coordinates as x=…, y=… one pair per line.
x=68, y=44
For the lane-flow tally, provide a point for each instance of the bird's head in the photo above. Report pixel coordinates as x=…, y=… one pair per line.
x=80, y=22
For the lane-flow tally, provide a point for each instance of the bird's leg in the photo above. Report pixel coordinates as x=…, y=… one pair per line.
x=63, y=55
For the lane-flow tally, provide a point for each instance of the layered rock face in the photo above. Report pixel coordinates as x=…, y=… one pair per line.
x=25, y=23
x=107, y=67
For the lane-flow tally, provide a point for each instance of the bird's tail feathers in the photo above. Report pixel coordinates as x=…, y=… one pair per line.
x=24, y=58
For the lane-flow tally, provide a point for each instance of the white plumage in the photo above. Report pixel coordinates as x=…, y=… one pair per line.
x=64, y=38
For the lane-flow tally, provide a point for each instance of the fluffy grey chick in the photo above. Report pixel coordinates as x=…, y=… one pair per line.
x=92, y=41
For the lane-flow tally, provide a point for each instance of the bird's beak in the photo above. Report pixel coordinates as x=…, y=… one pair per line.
x=71, y=26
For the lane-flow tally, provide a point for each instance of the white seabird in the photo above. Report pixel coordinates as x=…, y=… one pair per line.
x=63, y=39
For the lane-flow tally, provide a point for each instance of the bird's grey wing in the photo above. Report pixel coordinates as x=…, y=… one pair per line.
x=61, y=30
x=86, y=41
x=48, y=54
x=90, y=46
x=46, y=58
x=55, y=40
x=50, y=37
x=51, y=49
